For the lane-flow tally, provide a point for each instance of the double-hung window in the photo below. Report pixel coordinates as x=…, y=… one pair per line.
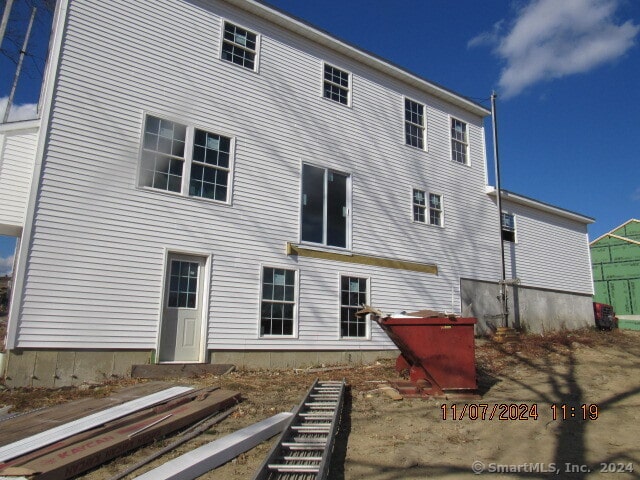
x=325, y=206
x=336, y=84
x=421, y=207
x=239, y=46
x=354, y=293
x=459, y=141
x=508, y=227
x=186, y=160
x=278, y=303
x=414, y=129
x=435, y=209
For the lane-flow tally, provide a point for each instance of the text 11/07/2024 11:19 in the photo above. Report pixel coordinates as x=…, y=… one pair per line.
x=517, y=411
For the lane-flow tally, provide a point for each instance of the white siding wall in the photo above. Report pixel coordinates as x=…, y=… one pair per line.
x=17, y=156
x=550, y=251
x=95, y=272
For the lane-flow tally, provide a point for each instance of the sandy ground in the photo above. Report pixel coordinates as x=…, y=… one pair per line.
x=415, y=439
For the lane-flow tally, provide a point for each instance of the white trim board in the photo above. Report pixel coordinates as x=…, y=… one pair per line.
x=39, y=440
x=213, y=454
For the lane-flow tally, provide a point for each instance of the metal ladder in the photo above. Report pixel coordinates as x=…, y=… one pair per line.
x=304, y=448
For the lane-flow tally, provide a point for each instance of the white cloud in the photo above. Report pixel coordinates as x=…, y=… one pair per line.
x=6, y=265
x=26, y=111
x=551, y=39
x=635, y=195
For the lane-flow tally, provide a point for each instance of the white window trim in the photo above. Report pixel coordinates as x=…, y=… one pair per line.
x=367, y=337
x=427, y=217
x=468, y=162
x=256, y=63
x=349, y=90
x=323, y=246
x=296, y=308
x=188, y=154
x=425, y=148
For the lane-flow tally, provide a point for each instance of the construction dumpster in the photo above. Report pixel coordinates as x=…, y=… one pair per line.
x=438, y=352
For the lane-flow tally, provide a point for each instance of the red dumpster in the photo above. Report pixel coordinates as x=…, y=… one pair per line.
x=439, y=352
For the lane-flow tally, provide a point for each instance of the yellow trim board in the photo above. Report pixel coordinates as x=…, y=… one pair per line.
x=362, y=259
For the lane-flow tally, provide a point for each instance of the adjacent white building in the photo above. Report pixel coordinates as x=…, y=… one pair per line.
x=215, y=181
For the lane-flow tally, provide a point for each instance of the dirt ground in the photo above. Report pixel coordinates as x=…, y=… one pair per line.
x=383, y=439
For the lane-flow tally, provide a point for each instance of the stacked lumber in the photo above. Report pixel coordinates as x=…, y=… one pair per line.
x=70, y=449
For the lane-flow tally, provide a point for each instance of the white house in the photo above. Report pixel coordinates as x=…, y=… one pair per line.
x=216, y=181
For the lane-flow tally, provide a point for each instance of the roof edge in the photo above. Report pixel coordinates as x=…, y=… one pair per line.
x=313, y=33
x=543, y=206
x=610, y=232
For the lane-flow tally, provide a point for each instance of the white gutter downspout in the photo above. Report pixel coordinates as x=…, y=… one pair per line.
x=46, y=99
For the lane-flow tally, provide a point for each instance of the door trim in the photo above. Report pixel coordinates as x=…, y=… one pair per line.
x=206, y=296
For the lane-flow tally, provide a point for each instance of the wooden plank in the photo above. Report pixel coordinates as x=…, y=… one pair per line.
x=14, y=429
x=185, y=370
x=212, y=455
x=39, y=440
x=75, y=458
x=362, y=259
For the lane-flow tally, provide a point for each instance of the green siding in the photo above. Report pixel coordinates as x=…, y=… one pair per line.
x=616, y=270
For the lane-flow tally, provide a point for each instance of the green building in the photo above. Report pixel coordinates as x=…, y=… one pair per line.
x=615, y=257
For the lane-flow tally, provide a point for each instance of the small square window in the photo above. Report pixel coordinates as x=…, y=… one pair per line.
x=459, y=142
x=414, y=124
x=336, y=84
x=239, y=46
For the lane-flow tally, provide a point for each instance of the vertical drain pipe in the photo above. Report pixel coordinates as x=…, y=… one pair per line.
x=494, y=123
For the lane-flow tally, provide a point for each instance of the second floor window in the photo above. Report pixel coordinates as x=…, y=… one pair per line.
x=414, y=123
x=508, y=227
x=239, y=46
x=459, y=143
x=325, y=210
x=336, y=84
x=183, y=159
x=435, y=209
x=421, y=208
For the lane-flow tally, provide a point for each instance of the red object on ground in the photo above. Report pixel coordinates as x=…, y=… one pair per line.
x=439, y=352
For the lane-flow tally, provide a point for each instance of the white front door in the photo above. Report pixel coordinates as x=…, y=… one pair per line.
x=181, y=329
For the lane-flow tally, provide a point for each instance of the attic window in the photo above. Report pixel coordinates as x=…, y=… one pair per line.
x=508, y=227
x=336, y=84
x=239, y=46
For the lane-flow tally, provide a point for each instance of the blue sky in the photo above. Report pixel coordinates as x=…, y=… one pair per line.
x=566, y=74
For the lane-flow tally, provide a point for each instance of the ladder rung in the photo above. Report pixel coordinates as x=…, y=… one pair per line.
x=294, y=468
x=297, y=459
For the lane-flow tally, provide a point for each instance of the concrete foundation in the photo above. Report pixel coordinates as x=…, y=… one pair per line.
x=298, y=358
x=53, y=368
x=61, y=368
x=530, y=309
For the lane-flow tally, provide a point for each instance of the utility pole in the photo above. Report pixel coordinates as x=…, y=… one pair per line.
x=23, y=51
x=503, y=281
x=5, y=20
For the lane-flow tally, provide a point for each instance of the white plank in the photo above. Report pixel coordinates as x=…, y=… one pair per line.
x=39, y=440
x=212, y=455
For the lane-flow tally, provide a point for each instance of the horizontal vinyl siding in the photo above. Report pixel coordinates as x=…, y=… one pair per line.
x=16, y=169
x=550, y=251
x=96, y=267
